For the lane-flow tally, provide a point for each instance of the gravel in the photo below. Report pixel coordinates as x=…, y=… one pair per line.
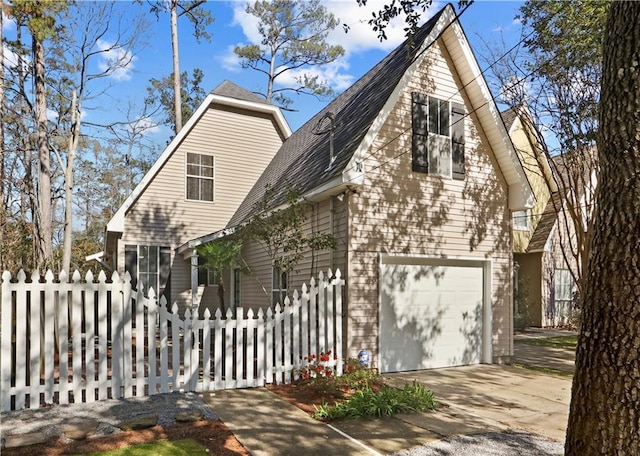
x=107, y=414
x=489, y=444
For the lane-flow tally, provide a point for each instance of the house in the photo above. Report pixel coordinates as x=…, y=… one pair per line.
x=194, y=187
x=414, y=173
x=544, y=237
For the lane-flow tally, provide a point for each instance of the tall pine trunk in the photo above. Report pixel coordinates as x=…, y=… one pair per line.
x=177, y=95
x=605, y=404
x=44, y=222
x=3, y=178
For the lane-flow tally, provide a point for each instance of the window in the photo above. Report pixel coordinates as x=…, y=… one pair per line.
x=207, y=277
x=199, y=177
x=149, y=266
x=438, y=136
x=236, y=288
x=521, y=220
x=563, y=292
x=279, y=286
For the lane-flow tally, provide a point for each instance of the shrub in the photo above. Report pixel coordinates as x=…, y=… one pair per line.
x=387, y=401
x=317, y=366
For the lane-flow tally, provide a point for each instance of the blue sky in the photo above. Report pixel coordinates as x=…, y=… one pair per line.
x=486, y=23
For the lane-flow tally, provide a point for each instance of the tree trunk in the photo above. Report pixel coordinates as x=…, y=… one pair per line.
x=177, y=101
x=3, y=178
x=605, y=404
x=69, y=182
x=44, y=222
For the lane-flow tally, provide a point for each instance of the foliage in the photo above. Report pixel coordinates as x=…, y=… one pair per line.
x=293, y=40
x=387, y=401
x=282, y=232
x=159, y=448
x=357, y=376
x=199, y=17
x=566, y=342
x=160, y=94
x=411, y=10
x=522, y=316
x=220, y=255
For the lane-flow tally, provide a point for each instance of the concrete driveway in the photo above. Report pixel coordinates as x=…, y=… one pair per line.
x=486, y=398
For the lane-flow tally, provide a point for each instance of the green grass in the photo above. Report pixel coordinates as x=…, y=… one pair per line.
x=160, y=448
x=566, y=342
x=544, y=370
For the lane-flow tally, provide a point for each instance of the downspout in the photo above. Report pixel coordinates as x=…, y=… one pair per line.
x=331, y=232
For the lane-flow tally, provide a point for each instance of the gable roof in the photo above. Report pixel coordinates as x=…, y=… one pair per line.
x=303, y=162
x=228, y=94
x=520, y=116
x=545, y=224
x=230, y=90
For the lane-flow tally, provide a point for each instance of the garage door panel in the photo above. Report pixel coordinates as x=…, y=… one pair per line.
x=430, y=316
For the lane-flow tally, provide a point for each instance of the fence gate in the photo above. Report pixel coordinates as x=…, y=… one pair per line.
x=82, y=340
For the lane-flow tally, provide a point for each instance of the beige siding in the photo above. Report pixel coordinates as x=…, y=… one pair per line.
x=242, y=143
x=257, y=286
x=399, y=211
x=533, y=171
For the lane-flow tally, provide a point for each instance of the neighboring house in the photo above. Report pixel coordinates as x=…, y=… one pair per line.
x=194, y=188
x=413, y=171
x=543, y=274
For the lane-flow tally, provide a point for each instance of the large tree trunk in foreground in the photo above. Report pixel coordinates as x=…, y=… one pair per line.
x=605, y=404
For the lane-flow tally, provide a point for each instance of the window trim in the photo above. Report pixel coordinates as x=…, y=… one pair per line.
x=428, y=137
x=187, y=176
x=163, y=263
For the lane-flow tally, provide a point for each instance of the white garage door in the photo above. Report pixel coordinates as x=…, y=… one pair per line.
x=430, y=315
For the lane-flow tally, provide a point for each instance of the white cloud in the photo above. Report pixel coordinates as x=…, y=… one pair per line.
x=8, y=23
x=51, y=115
x=115, y=61
x=11, y=59
x=144, y=126
x=229, y=60
x=331, y=73
x=360, y=38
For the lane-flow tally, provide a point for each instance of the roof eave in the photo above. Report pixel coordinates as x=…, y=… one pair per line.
x=116, y=224
x=521, y=195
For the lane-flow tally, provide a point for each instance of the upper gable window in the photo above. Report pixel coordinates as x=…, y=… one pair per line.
x=521, y=220
x=438, y=136
x=200, y=175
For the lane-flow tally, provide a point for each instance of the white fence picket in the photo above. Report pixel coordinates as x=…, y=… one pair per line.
x=64, y=386
x=48, y=341
x=85, y=340
x=34, y=346
x=6, y=356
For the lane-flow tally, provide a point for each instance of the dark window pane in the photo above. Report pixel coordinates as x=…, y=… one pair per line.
x=153, y=259
x=444, y=118
x=144, y=259
x=192, y=158
x=206, y=171
x=193, y=170
x=207, y=190
x=206, y=160
x=192, y=188
x=433, y=115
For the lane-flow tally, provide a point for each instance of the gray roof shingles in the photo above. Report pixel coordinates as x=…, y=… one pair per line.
x=302, y=163
x=546, y=223
x=230, y=90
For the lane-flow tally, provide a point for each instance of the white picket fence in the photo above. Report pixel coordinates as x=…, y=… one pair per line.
x=84, y=340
